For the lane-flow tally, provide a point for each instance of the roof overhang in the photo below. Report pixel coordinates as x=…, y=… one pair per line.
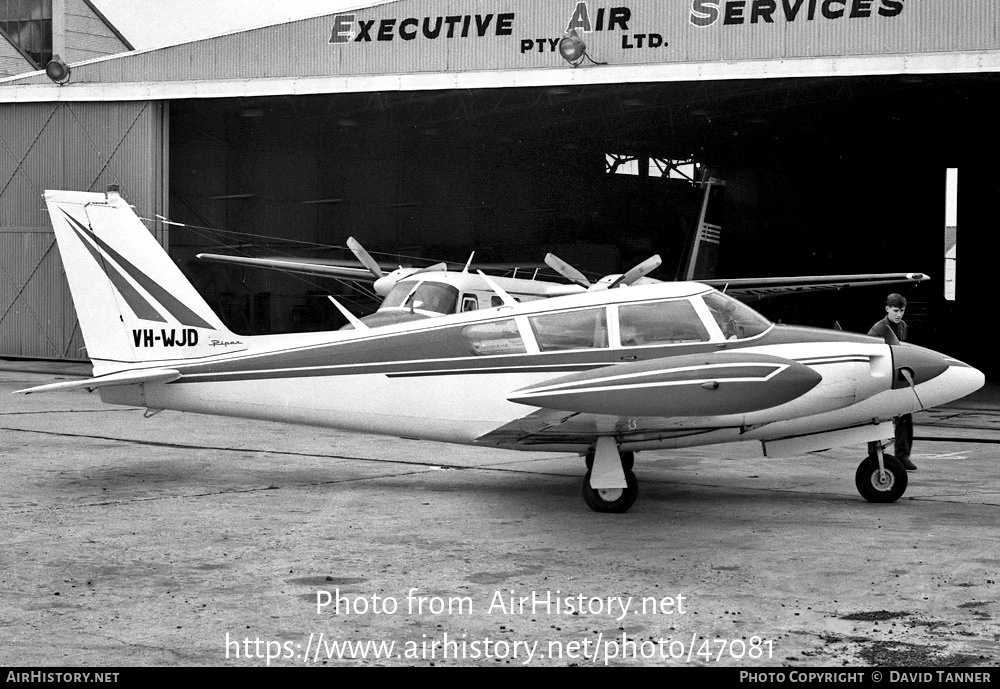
x=921, y=63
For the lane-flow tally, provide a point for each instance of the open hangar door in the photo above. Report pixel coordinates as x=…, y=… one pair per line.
x=823, y=175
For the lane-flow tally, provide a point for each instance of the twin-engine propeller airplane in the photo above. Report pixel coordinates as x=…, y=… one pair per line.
x=604, y=373
x=416, y=293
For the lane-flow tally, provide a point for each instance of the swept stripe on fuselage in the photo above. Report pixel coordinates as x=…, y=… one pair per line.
x=438, y=349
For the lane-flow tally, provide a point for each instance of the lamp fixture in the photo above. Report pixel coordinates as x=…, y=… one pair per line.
x=573, y=49
x=58, y=71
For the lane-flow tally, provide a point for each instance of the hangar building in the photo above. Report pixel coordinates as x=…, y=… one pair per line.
x=428, y=128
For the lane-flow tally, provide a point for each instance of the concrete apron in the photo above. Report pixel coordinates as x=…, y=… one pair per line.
x=193, y=540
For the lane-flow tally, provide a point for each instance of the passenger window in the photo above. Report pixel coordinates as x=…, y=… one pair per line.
x=663, y=322
x=585, y=329
x=495, y=337
x=469, y=303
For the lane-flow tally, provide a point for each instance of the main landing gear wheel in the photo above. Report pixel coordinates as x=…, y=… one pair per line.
x=611, y=499
x=873, y=487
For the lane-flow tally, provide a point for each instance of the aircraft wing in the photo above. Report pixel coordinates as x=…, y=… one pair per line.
x=325, y=268
x=332, y=269
x=746, y=288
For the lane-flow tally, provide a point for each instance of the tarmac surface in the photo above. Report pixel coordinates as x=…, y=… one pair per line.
x=202, y=541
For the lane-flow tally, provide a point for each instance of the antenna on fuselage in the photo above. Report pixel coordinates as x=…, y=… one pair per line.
x=504, y=297
x=468, y=263
x=351, y=318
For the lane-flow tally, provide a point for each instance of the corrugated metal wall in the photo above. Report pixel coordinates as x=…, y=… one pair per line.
x=79, y=146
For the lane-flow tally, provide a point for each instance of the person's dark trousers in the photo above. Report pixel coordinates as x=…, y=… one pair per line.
x=904, y=436
x=903, y=442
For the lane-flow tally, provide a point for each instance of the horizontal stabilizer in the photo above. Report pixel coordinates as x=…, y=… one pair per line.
x=157, y=375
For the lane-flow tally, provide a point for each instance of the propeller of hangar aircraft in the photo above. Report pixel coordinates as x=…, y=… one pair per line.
x=607, y=282
x=365, y=258
x=567, y=271
x=384, y=282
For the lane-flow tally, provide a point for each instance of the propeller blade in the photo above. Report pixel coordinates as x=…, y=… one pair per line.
x=636, y=272
x=566, y=270
x=364, y=257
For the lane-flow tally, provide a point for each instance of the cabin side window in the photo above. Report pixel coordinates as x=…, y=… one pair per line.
x=736, y=320
x=495, y=337
x=436, y=297
x=584, y=329
x=663, y=322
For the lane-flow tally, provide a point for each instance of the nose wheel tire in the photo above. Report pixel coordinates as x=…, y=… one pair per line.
x=876, y=488
x=611, y=499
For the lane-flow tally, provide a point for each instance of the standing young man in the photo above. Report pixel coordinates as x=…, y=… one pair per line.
x=892, y=329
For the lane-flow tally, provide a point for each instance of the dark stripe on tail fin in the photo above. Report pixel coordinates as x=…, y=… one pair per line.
x=139, y=305
x=178, y=310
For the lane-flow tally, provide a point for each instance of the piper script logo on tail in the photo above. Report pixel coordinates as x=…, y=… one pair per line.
x=708, y=12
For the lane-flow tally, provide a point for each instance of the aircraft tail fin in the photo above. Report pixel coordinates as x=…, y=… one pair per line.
x=134, y=304
x=702, y=257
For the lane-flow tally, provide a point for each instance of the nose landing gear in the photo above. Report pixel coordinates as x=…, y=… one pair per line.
x=881, y=477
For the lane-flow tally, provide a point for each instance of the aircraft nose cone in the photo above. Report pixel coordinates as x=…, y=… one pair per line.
x=923, y=365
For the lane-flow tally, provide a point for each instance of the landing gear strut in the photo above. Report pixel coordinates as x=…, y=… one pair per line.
x=610, y=485
x=881, y=478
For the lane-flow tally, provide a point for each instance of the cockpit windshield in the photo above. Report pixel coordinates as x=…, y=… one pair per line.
x=422, y=295
x=736, y=320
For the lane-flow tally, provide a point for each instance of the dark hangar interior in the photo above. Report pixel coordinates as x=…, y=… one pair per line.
x=822, y=176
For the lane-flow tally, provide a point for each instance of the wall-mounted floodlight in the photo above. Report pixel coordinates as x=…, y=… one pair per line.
x=572, y=48
x=58, y=71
